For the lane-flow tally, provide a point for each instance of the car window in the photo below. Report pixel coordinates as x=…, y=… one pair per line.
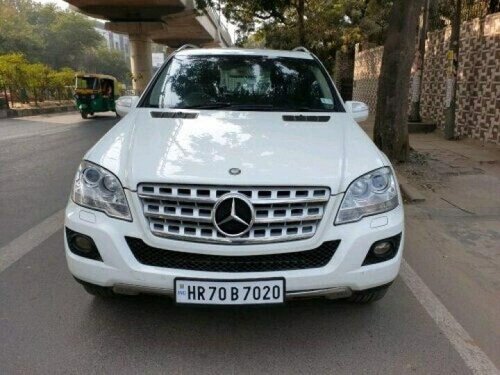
x=87, y=83
x=243, y=82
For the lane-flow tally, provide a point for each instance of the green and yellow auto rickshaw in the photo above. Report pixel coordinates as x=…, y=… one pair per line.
x=95, y=93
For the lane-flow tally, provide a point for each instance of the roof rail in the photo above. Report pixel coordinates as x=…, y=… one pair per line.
x=301, y=49
x=186, y=46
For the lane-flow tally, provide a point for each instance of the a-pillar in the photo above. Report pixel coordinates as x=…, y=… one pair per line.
x=140, y=61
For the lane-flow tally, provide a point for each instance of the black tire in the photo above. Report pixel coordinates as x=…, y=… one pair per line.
x=85, y=115
x=92, y=113
x=369, y=295
x=96, y=290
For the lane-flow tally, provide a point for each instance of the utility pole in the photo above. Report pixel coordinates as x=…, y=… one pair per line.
x=416, y=84
x=451, y=77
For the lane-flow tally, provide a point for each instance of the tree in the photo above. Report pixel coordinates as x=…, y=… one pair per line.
x=12, y=73
x=38, y=79
x=248, y=15
x=45, y=33
x=391, y=131
x=330, y=26
x=105, y=61
x=61, y=80
x=451, y=76
x=16, y=33
x=72, y=35
x=416, y=83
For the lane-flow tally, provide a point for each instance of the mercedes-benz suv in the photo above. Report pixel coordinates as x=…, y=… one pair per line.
x=238, y=177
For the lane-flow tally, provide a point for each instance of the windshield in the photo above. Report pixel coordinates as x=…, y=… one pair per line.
x=244, y=83
x=87, y=83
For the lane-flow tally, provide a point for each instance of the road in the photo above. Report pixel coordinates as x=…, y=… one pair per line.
x=436, y=319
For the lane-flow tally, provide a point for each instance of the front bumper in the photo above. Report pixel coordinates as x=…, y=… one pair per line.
x=120, y=270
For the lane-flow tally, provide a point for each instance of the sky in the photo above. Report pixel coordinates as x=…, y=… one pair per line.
x=60, y=3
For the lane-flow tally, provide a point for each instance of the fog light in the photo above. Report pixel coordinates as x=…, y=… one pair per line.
x=84, y=244
x=382, y=249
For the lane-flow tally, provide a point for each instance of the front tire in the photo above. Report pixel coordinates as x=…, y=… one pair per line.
x=85, y=115
x=369, y=295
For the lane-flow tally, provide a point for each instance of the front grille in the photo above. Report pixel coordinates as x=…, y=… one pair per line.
x=152, y=256
x=185, y=212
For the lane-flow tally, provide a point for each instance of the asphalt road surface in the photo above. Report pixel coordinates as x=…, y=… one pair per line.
x=436, y=319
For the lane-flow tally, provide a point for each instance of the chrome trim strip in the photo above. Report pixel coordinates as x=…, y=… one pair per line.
x=204, y=219
x=208, y=220
x=231, y=241
x=330, y=293
x=270, y=220
x=254, y=201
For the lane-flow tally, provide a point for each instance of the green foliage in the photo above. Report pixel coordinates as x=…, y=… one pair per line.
x=327, y=26
x=104, y=61
x=45, y=33
x=16, y=33
x=72, y=35
x=37, y=81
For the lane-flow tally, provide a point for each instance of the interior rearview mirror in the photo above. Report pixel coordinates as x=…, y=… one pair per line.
x=358, y=110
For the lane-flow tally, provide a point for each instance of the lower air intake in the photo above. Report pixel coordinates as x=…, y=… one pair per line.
x=151, y=256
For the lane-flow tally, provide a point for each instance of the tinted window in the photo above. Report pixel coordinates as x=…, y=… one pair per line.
x=243, y=82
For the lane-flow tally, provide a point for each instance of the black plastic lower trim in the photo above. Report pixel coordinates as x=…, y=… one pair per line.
x=151, y=256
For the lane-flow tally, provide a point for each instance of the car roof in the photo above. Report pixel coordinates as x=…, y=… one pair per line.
x=244, y=52
x=94, y=75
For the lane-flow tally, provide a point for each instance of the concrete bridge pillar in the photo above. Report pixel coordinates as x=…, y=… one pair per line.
x=140, y=61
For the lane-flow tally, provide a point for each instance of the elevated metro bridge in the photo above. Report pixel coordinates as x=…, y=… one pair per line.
x=169, y=22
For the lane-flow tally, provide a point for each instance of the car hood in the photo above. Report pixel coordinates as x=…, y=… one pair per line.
x=268, y=150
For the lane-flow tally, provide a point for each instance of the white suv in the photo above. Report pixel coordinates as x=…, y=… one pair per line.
x=239, y=177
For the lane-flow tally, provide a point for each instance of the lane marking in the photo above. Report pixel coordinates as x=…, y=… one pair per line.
x=22, y=245
x=470, y=352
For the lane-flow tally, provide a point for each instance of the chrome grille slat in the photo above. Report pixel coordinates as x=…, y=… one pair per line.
x=255, y=201
x=185, y=211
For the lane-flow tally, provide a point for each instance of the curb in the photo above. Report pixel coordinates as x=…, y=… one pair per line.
x=9, y=113
x=408, y=191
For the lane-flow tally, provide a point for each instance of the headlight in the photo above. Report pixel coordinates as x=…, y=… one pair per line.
x=370, y=194
x=99, y=189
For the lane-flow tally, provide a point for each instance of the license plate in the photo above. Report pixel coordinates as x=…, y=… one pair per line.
x=226, y=292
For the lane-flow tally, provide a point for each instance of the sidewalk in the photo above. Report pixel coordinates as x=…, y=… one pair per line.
x=47, y=107
x=452, y=237
x=464, y=173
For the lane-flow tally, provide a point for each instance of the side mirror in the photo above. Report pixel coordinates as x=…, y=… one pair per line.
x=358, y=110
x=124, y=104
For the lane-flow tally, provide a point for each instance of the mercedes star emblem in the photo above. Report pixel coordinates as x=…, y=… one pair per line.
x=234, y=215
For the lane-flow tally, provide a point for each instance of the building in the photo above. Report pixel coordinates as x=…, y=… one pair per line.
x=115, y=41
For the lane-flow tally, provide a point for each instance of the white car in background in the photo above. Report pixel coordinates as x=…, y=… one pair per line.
x=239, y=177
